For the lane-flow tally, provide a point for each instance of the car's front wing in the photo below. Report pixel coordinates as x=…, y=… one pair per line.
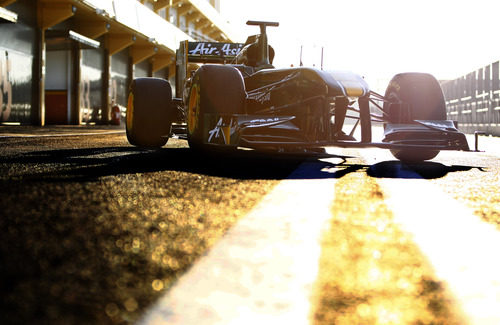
x=265, y=131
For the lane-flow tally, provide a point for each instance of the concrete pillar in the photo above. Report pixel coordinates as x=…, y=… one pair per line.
x=38, y=71
x=76, y=58
x=106, y=86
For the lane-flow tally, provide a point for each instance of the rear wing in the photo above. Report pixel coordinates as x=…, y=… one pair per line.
x=211, y=52
x=201, y=52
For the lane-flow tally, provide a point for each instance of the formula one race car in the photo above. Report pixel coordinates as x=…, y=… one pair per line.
x=229, y=95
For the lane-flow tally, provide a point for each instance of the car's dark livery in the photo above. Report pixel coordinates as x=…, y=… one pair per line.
x=236, y=98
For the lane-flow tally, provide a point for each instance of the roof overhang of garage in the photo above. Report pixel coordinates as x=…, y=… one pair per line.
x=65, y=39
x=7, y=16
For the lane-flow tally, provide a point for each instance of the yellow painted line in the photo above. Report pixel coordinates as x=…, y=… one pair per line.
x=370, y=271
x=461, y=247
x=263, y=270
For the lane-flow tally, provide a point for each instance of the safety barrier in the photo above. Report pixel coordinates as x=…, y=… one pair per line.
x=473, y=100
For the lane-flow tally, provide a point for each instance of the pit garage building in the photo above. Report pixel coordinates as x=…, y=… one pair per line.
x=70, y=61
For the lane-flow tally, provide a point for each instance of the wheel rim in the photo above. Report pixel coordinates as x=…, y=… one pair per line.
x=193, y=109
x=130, y=112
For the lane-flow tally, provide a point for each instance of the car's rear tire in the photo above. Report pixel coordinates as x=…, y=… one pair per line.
x=215, y=89
x=423, y=94
x=149, y=112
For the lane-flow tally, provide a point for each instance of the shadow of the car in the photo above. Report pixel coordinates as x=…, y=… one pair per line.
x=93, y=163
x=425, y=170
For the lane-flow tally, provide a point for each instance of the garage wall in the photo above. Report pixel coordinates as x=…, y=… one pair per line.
x=57, y=84
x=141, y=69
x=119, y=78
x=16, y=66
x=92, y=65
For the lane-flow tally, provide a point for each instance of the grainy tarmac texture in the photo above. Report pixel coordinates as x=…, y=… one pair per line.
x=94, y=230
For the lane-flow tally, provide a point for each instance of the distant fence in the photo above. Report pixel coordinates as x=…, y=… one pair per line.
x=474, y=100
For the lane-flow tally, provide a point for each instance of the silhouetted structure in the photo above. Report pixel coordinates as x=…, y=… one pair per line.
x=474, y=100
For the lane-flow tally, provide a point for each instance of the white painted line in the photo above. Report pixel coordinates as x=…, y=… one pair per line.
x=463, y=249
x=263, y=270
x=27, y=135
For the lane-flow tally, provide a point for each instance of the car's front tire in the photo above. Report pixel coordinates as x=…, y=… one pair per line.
x=215, y=89
x=423, y=94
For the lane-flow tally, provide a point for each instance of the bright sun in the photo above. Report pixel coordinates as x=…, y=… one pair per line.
x=377, y=39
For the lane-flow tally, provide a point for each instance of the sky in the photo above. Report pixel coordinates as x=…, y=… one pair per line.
x=377, y=38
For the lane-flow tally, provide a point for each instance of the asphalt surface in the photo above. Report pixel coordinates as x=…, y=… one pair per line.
x=97, y=231
x=94, y=229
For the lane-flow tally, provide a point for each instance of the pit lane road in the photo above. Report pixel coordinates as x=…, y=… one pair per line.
x=93, y=230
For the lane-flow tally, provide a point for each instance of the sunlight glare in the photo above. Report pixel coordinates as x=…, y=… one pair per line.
x=376, y=39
